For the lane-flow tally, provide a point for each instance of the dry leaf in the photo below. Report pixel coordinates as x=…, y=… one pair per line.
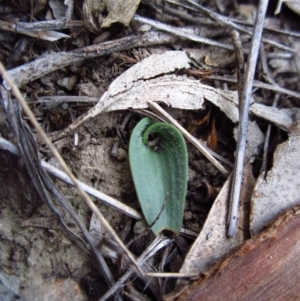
x=212, y=140
x=104, y=13
x=283, y=118
x=292, y=4
x=212, y=243
x=281, y=65
x=248, y=11
x=145, y=82
x=280, y=190
x=58, y=9
x=120, y=11
x=220, y=59
x=264, y=268
x=148, y=81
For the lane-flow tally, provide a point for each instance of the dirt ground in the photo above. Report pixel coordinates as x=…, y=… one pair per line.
x=36, y=253
x=33, y=245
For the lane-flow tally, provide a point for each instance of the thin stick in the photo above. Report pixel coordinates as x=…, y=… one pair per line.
x=191, y=138
x=227, y=22
x=41, y=34
x=238, y=49
x=261, y=85
x=64, y=166
x=276, y=30
x=181, y=33
x=156, y=245
x=8, y=146
x=244, y=117
x=172, y=275
x=46, y=25
x=264, y=65
x=44, y=65
x=95, y=193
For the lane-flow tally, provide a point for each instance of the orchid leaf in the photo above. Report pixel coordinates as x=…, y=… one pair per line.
x=159, y=166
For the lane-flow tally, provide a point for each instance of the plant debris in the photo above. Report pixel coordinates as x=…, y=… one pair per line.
x=90, y=71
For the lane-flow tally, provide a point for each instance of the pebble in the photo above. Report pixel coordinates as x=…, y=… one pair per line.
x=68, y=82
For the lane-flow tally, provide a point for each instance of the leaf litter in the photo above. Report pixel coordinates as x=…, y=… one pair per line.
x=163, y=78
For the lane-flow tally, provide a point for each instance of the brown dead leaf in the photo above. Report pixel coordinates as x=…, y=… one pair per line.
x=194, y=123
x=212, y=140
x=200, y=73
x=221, y=59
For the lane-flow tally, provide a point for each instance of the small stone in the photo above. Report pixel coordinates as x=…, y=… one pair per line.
x=144, y=28
x=140, y=227
x=88, y=89
x=119, y=153
x=188, y=215
x=68, y=82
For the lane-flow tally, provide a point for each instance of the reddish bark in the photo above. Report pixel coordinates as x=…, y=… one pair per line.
x=266, y=267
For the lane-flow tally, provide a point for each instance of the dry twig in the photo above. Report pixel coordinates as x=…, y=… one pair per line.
x=49, y=63
x=102, y=197
x=62, y=163
x=244, y=117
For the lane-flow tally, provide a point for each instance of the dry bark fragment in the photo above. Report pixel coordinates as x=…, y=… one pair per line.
x=266, y=267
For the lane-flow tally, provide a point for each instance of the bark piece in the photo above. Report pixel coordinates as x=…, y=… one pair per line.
x=266, y=267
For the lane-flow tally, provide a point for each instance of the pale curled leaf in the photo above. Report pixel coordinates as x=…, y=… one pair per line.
x=149, y=81
x=175, y=91
x=149, y=68
x=282, y=118
x=280, y=190
x=140, y=77
x=293, y=5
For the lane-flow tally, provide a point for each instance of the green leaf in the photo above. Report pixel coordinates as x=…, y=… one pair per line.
x=159, y=167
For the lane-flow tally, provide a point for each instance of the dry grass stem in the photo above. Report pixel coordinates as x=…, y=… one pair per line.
x=62, y=163
x=204, y=149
